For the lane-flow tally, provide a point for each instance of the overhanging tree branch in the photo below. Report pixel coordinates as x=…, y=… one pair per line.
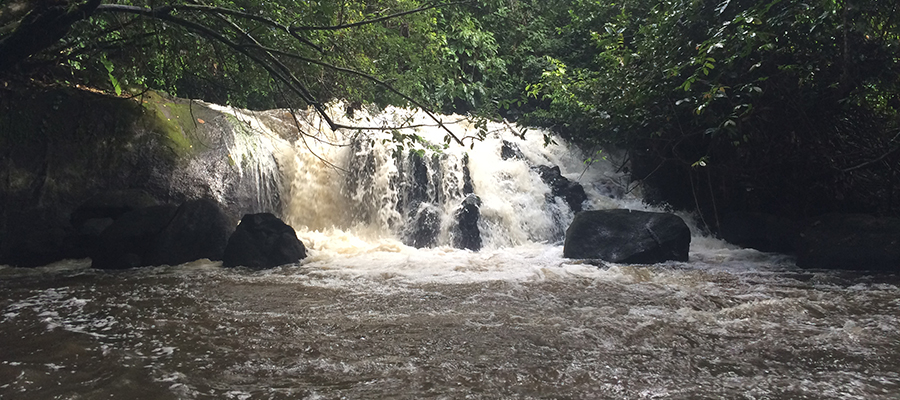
x=241, y=14
x=271, y=64
x=373, y=21
x=40, y=28
x=371, y=78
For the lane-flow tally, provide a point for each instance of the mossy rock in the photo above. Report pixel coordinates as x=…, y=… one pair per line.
x=61, y=146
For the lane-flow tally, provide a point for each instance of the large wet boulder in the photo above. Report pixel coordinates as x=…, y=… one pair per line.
x=263, y=241
x=627, y=236
x=850, y=241
x=760, y=231
x=562, y=187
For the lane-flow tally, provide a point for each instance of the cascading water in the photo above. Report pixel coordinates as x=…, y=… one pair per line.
x=392, y=303
x=493, y=194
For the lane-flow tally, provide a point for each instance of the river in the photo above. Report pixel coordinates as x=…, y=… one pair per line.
x=366, y=316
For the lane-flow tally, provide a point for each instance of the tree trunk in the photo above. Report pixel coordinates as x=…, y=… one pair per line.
x=43, y=26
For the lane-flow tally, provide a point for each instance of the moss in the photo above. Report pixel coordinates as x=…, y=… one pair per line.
x=173, y=119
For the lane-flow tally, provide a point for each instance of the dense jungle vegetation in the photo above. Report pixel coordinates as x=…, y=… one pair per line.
x=781, y=106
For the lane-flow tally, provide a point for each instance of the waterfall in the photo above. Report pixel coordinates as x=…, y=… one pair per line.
x=499, y=191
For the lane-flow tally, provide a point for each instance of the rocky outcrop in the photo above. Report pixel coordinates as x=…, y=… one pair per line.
x=850, y=241
x=627, y=236
x=263, y=241
x=420, y=192
x=562, y=187
x=60, y=148
x=163, y=235
x=760, y=231
x=111, y=205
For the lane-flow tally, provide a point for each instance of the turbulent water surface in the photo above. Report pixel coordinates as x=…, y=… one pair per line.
x=367, y=316
x=516, y=323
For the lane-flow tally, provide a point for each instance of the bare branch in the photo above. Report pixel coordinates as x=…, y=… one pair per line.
x=375, y=20
x=873, y=161
x=241, y=14
x=387, y=86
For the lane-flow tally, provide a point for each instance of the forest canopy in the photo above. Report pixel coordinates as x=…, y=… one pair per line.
x=722, y=106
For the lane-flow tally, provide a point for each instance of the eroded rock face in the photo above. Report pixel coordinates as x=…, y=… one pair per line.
x=263, y=241
x=127, y=242
x=850, y=241
x=627, y=236
x=163, y=235
x=73, y=162
x=199, y=229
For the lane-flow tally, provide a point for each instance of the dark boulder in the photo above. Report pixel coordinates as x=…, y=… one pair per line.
x=468, y=185
x=127, y=241
x=626, y=236
x=850, y=241
x=424, y=227
x=760, y=231
x=467, y=235
x=561, y=186
x=263, y=241
x=510, y=150
x=199, y=229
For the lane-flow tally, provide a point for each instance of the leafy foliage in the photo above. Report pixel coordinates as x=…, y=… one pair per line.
x=736, y=104
x=723, y=105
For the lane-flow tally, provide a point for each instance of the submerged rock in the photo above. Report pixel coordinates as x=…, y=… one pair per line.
x=627, y=236
x=850, y=241
x=263, y=241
